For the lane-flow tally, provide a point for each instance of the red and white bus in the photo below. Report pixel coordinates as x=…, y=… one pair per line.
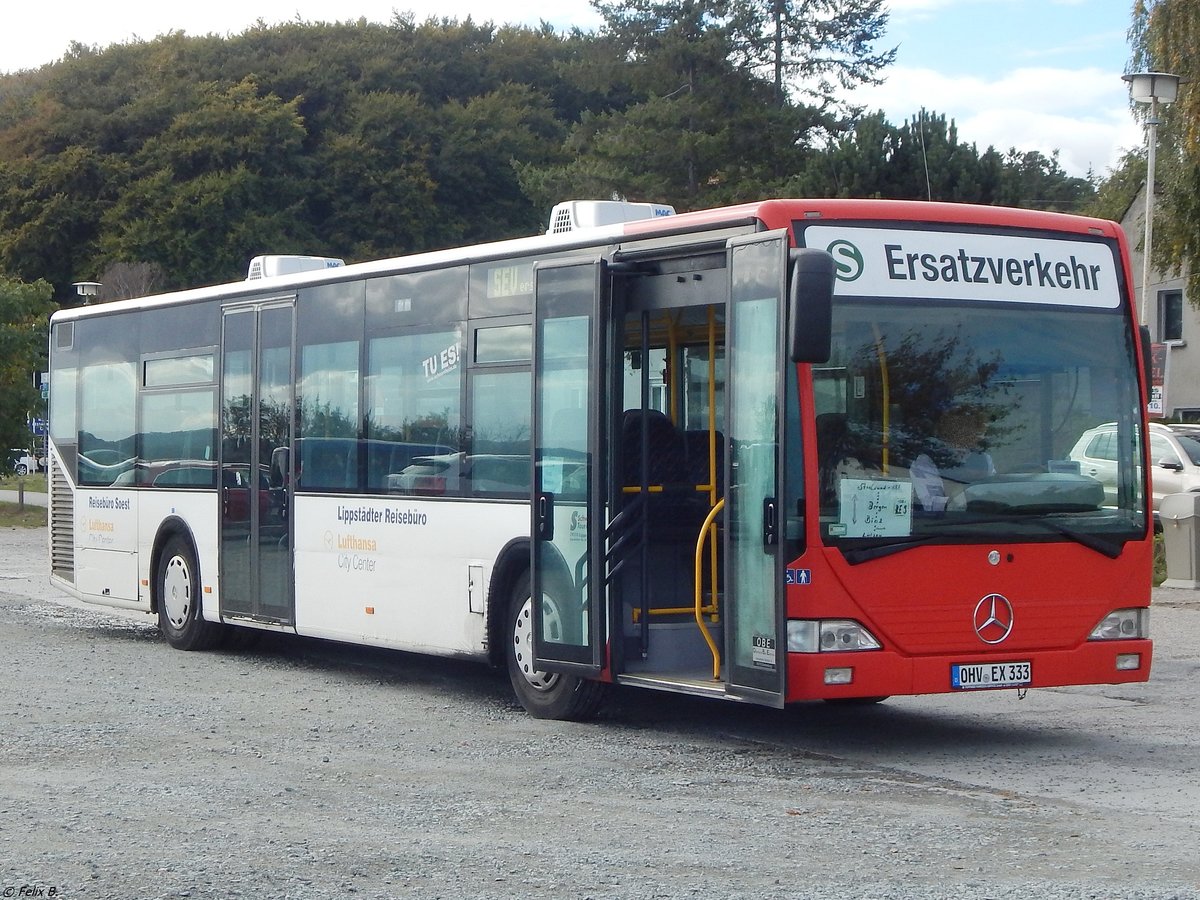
x=783, y=451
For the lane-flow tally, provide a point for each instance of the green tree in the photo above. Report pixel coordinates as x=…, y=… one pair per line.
x=478, y=146
x=51, y=209
x=697, y=128
x=679, y=52
x=224, y=181
x=1119, y=188
x=923, y=159
x=816, y=45
x=1032, y=179
x=376, y=195
x=351, y=139
x=919, y=160
x=24, y=316
x=1163, y=36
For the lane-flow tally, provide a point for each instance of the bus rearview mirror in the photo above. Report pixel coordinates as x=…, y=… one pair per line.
x=810, y=305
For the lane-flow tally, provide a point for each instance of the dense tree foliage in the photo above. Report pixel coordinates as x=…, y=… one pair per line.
x=708, y=120
x=1117, y=190
x=923, y=159
x=24, y=311
x=1164, y=37
x=352, y=139
x=816, y=45
x=171, y=162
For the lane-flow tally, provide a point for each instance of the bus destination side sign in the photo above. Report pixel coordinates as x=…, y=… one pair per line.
x=954, y=265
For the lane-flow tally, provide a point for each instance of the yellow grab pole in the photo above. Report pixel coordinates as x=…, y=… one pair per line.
x=704, y=529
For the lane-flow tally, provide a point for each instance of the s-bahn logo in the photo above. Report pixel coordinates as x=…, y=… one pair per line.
x=993, y=618
x=847, y=258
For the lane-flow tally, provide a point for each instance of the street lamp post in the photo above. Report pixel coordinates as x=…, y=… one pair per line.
x=88, y=290
x=1152, y=88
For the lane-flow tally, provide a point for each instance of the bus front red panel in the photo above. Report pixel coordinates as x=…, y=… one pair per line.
x=885, y=673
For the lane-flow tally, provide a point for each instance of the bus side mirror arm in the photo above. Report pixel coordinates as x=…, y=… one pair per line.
x=810, y=304
x=1147, y=358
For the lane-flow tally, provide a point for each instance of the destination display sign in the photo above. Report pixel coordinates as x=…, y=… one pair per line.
x=956, y=265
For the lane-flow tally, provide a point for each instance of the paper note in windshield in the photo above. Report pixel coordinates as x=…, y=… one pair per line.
x=875, y=508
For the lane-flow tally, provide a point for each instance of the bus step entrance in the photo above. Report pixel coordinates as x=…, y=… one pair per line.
x=698, y=684
x=673, y=648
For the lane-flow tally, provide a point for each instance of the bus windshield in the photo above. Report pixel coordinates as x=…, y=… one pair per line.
x=964, y=422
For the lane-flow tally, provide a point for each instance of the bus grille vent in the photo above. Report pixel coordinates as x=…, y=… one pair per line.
x=562, y=221
x=62, y=523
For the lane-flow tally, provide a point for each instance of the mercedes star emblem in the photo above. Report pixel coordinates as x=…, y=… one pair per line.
x=993, y=618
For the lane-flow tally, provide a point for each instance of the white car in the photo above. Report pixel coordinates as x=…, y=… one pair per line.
x=1174, y=459
x=22, y=462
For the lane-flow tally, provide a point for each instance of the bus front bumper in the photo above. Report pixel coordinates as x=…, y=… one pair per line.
x=885, y=673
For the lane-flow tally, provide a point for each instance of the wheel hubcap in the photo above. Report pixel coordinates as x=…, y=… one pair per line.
x=177, y=591
x=523, y=648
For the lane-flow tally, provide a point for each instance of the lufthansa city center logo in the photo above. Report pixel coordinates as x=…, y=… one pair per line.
x=993, y=618
x=848, y=259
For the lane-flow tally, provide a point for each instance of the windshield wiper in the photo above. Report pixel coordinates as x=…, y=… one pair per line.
x=859, y=555
x=1101, y=545
x=1097, y=543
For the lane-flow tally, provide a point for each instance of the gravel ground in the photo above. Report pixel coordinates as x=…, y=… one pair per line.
x=306, y=770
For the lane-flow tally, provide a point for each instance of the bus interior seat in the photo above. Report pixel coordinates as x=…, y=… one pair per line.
x=666, y=452
x=696, y=444
x=677, y=511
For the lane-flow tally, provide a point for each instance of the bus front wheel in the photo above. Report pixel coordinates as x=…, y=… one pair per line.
x=178, y=583
x=545, y=695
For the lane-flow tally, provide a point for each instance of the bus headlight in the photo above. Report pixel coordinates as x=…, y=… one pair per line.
x=828, y=635
x=1122, y=625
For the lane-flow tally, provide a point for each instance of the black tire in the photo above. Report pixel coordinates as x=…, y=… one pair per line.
x=22, y=469
x=178, y=584
x=545, y=695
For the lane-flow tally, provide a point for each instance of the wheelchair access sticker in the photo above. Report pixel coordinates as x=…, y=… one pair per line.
x=799, y=576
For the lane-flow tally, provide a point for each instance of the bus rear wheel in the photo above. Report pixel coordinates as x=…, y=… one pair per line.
x=545, y=695
x=178, y=583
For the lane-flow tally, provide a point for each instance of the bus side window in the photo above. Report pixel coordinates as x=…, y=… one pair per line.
x=327, y=396
x=498, y=461
x=414, y=396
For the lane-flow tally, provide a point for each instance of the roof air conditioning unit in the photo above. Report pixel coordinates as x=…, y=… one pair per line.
x=270, y=266
x=576, y=214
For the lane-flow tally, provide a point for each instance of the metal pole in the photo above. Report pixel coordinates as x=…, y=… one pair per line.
x=1147, y=243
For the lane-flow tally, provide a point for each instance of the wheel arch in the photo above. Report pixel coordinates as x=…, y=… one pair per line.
x=512, y=561
x=170, y=528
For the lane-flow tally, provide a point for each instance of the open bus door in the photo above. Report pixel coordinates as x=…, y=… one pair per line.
x=755, y=637
x=568, y=590
x=580, y=337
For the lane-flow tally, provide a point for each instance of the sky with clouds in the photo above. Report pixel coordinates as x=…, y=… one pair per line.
x=1032, y=74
